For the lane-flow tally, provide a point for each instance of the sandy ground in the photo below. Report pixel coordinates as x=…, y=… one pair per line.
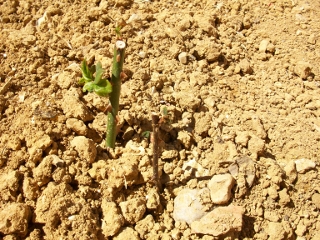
x=240, y=81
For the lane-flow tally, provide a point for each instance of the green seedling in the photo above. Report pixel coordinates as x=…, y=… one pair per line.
x=145, y=134
x=92, y=80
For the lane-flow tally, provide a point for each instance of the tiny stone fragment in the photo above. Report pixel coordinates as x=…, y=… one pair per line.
x=302, y=69
x=291, y=172
x=183, y=57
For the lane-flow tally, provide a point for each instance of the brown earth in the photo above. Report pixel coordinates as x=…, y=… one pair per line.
x=246, y=86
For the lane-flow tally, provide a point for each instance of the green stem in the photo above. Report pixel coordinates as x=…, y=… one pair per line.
x=118, y=58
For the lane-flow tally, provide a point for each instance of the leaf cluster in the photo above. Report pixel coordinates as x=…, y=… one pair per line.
x=92, y=80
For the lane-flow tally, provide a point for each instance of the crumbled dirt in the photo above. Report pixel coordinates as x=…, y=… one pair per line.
x=239, y=79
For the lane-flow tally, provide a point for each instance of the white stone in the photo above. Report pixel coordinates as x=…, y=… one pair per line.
x=303, y=165
x=183, y=57
x=188, y=206
x=263, y=45
x=220, y=188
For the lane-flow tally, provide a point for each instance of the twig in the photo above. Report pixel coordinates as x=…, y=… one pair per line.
x=155, y=161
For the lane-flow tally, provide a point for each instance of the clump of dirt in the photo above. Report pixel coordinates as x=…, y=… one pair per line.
x=239, y=81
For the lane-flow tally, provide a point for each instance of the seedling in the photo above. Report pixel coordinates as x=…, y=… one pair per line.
x=93, y=82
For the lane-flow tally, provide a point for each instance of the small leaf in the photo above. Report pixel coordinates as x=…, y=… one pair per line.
x=145, y=134
x=87, y=74
x=99, y=72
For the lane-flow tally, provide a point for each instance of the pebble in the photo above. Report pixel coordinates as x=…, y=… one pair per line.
x=291, y=172
x=77, y=126
x=220, y=221
x=183, y=57
x=73, y=107
x=303, y=165
x=85, y=147
x=220, y=188
x=302, y=69
x=153, y=199
x=133, y=210
x=188, y=206
x=263, y=45
x=43, y=172
x=245, y=67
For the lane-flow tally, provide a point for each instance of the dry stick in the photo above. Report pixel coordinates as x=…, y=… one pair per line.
x=118, y=58
x=155, y=161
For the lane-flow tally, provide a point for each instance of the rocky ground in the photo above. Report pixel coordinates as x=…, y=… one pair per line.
x=240, y=147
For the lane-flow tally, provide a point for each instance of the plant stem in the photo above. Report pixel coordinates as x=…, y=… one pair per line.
x=155, y=149
x=118, y=58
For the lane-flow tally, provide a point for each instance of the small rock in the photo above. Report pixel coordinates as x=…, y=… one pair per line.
x=183, y=57
x=93, y=100
x=9, y=185
x=133, y=210
x=243, y=166
x=85, y=147
x=65, y=79
x=30, y=188
x=284, y=197
x=98, y=170
x=303, y=165
x=245, y=67
x=73, y=107
x=188, y=206
x=302, y=69
x=242, y=138
x=316, y=200
x=145, y=225
x=193, y=167
x=275, y=231
x=77, y=126
x=185, y=138
x=153, y=200
x=263, y=45
x=169, y=154
x=112, y=220
x=127, y=233
x=291, y=172
x=301, y=229
x=220, y=188
x=272, y=192
x=220, y=221
x=312, y=39
x=14, y=218
x=256, y=146
x=43, y=172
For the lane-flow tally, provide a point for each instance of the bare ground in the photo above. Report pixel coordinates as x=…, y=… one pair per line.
x=246, y=86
